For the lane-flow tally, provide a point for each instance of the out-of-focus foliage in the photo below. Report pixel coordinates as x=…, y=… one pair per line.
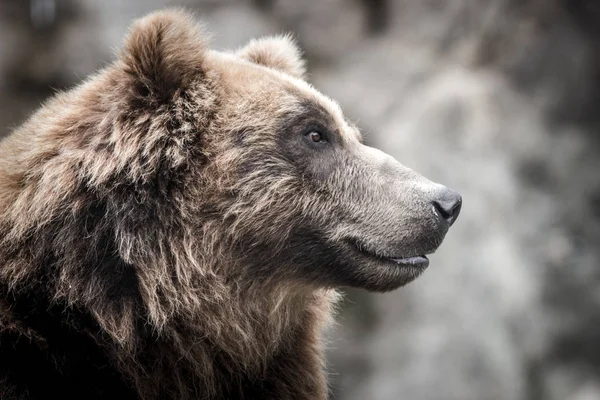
x=499, y=99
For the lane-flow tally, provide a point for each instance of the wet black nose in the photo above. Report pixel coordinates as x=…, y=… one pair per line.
x=447, y=205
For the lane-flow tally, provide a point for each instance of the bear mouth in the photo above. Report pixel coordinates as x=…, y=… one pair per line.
x=419, y=261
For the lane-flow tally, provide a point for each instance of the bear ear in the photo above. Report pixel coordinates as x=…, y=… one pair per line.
x=277, y=52
x=163, y=52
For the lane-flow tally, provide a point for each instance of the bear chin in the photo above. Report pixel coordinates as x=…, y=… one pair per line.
x=382, y=275
x=356, y=267
x=346, y=266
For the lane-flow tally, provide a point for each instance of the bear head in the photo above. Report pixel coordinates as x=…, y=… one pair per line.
x=296, y=194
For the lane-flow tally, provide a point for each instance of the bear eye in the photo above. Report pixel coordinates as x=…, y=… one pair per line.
x=316, y=137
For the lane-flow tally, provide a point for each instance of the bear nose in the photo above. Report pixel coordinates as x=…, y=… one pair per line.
x=447, y=205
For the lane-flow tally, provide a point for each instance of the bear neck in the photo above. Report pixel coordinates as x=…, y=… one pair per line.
x=168, y=307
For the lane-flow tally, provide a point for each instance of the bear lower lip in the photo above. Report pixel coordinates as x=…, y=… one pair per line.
x=420, y=261
x=417, y=261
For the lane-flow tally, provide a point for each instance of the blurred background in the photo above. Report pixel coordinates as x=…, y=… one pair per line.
x=499, y=99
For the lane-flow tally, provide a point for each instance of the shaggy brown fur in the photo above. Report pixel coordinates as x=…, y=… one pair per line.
x=161, y=237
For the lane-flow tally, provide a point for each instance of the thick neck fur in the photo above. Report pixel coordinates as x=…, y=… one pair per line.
x=97, y=211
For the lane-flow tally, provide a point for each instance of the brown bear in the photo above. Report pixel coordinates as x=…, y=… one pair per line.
x=176, y=226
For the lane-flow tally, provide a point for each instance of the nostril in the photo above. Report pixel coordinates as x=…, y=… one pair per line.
x=448, y=205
